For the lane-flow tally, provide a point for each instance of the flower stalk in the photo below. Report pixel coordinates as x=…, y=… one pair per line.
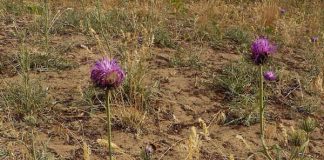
x=33, y=144
x=262, y=109
x=107, y=75
x=108, y=95
x=261, y=50
x=46, y=8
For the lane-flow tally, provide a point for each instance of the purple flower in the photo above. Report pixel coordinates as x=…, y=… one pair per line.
x=261, y=49
x=270, y=76
x=282, y=11
x=107, y=74
x=149, y=149
x=314, y=39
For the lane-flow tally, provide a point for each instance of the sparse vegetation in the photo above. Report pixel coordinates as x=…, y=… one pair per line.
x=190, y=90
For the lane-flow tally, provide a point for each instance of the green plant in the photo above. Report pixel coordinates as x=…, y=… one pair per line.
x=112, y=22
x=162, y=38
x=134, y=92
x=4, y=153
x=47, y=62
x=25, y=97
x=69, y=20
x=49, y=22
x=186, y=59
x=237, y=35
x=298, y=92
x=91, y=95
x=34, y=8
x=42, y=152
x=31, y=121
x=13, y=7
x=308, y=125
x=24, y=100
x=179, y=5
x=298, y=141
x=236, y=80
x=209, y=33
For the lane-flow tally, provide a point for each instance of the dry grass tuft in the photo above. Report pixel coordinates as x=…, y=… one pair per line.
x=193, y=145
x=86, y=151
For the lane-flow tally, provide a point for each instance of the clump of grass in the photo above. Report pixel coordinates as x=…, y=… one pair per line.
x=19, y=8
x=70, y=20
x=130, y=119
x=4, y=153
x=50, y=23
x=45, y=62
x=297, y=92
x=236, y=81
x=49, y=61
x=134, y=92
x=22, y=100
x=25, y=97
x=13, y=7
x=186, y=58
x=34, y=8
x=1, y=67
x=91, y=95
x=116, y=21
x=178, y=6
x=297, y=138
x=308, y=125
x=238, y=36
x=162, y=38
x=210, y=33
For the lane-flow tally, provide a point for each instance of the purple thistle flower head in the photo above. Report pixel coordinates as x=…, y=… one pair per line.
x=107, y=74
x=261, y=49
x=269, y=75
x=314, y=39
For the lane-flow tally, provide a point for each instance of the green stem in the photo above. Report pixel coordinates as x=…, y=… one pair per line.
x=262, y=123
x=33, y=144
x=46, y=24
x=109, y=121
x=25, y=64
